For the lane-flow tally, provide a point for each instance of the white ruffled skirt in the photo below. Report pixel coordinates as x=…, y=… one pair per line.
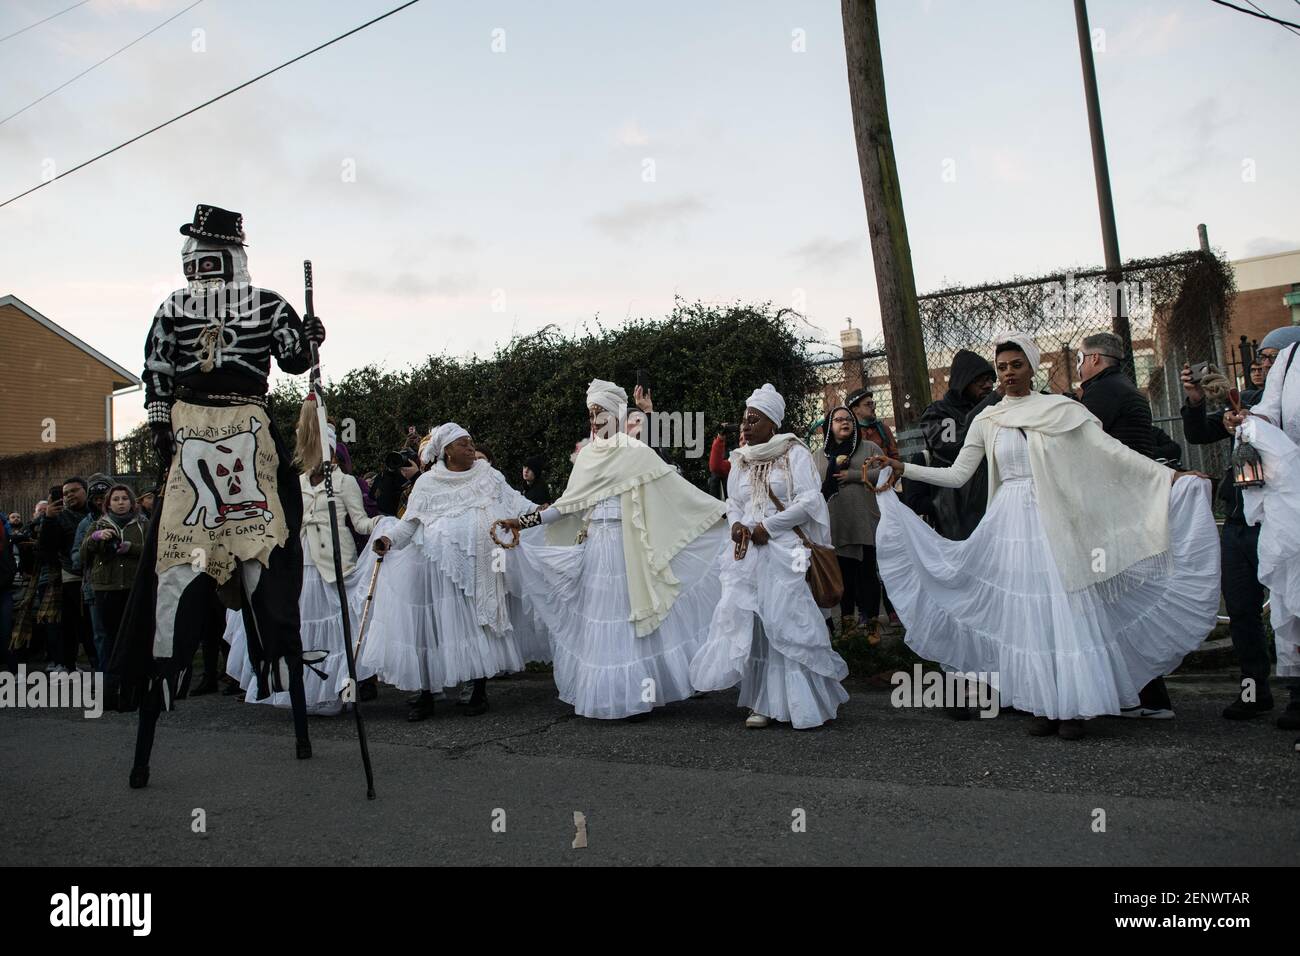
x=1276, y=507
x=423, y=633
x=579, y=595
x=768, y=635
x=995, y=604
x=321, y=629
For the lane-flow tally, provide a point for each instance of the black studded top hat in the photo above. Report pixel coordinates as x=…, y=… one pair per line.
x=216, y=225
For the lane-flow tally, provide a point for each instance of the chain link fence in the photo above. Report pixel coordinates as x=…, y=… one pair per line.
x=1178, y=307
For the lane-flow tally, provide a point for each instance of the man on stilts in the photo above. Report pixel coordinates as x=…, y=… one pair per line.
x=226, y=533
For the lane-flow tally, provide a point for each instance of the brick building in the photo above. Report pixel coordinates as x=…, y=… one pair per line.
x=1268, y=295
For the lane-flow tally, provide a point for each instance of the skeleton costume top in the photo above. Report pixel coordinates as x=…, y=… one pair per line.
x=221, y=327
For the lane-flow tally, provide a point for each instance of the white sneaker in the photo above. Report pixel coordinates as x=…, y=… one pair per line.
x=1149, y=713
x=755, y=720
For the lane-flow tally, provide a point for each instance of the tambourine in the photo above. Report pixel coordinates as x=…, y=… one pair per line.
x=514, y=532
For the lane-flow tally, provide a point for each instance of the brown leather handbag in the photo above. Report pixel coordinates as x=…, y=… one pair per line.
x=824, y=578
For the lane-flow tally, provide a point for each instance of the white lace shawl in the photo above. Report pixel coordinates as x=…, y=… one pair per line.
x=456, y=509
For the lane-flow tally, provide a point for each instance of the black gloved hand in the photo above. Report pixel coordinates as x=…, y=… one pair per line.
x=314, y=329
x=162, y=442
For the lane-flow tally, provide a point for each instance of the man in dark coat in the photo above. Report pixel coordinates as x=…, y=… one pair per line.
x=1109, y=394
x=956, y=511
x=58, y=543
x=1243, y=595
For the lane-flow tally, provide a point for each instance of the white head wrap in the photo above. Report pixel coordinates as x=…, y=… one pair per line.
x=768, y=401
x=1025, y=343
x=607, y=395
x=439, y=439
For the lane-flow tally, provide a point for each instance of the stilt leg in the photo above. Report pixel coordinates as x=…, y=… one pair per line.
x=298, y=701
x=151, y=706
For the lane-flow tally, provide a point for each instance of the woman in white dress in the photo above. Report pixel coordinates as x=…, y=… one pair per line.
x=1093, y=571
x=318, y=602
x=767, y=633
x=442, y=613
x=628, y=579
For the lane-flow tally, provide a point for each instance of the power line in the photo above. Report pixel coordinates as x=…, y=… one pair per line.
x=100, y=63
x=1265, y=12
x=219, y=96
x=1263, y=16
x=46, y=20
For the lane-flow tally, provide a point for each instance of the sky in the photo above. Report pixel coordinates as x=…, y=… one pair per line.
x=463, y=172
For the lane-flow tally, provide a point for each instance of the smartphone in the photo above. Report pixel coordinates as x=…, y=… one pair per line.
x=56, y=494
x=1199, y=370
x=643, y=380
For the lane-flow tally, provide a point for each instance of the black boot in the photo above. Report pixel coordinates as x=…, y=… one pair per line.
x=422, y=709
x=1247, y=709
x=151, y=705
x=478, y=702
x=1289, y=719
x=368, y=689
x=1074, y=729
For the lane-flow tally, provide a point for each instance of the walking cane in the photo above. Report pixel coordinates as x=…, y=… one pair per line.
x=317, y=395
x=365, y=611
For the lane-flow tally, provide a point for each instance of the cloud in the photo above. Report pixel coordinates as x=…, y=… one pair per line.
x=634, y=219
x=830, y=254
x=413, y=285
x=1148, y=34
x=631, y=134
x=1267, y=245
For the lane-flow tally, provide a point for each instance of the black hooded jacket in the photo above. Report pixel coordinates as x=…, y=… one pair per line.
x=955, y=511
x=944, y=423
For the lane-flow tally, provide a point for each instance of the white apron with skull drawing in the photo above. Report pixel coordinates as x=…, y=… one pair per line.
x=221, y=503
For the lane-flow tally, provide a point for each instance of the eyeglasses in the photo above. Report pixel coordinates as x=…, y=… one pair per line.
x=1266, y=358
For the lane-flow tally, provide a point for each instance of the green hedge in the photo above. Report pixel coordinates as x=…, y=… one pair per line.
x=529, y=397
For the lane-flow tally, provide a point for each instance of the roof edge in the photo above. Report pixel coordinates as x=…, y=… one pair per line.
x=63, y=333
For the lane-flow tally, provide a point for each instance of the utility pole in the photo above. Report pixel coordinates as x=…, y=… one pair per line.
x=1216, y=323
x=909, y=373
x=1106, y=205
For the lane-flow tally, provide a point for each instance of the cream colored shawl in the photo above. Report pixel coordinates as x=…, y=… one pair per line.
x=662, y=513
x=1104, y=507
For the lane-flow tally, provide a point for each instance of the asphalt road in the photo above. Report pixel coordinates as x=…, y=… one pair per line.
x=692, y=785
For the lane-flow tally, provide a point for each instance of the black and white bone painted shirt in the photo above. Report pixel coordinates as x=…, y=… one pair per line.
x=236, y=331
